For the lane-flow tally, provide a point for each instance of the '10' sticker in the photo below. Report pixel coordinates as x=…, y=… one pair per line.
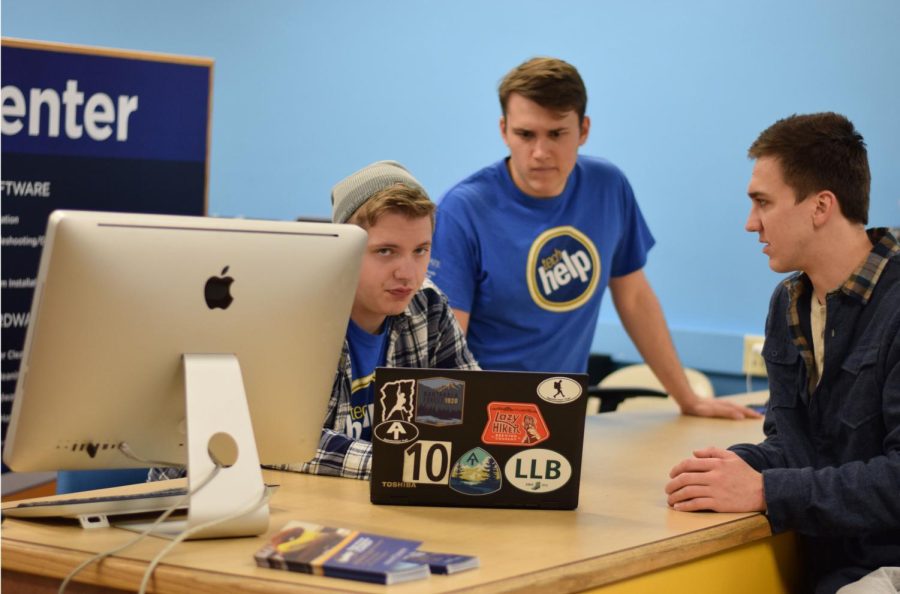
x=427, y=462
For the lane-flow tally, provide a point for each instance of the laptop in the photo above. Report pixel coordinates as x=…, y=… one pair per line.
x=477, y=438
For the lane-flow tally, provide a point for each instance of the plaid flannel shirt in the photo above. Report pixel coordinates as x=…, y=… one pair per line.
x=426, y=334
x=860, y=285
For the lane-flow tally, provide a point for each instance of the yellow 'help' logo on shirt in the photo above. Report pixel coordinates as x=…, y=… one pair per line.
x=563, y=269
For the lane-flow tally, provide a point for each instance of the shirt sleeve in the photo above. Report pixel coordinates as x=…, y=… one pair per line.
x=338, y=455
x=455, y=259
x=636, y=241
x=164, y=474
x=766, y=455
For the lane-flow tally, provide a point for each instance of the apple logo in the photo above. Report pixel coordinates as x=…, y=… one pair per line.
x=217, y=291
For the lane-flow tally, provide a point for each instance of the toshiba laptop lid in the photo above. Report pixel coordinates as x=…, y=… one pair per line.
x=477, y=438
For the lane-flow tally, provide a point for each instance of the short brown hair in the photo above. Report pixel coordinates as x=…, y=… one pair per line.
x=820, y=151
x=549, y=82
x=398, y=198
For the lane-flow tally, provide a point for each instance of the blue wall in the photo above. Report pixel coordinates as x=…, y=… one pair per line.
x=307, y=91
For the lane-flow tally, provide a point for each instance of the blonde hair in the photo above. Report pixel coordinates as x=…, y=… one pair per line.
x=398, y=198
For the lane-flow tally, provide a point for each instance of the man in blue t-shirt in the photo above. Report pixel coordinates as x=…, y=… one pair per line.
x=524, y=248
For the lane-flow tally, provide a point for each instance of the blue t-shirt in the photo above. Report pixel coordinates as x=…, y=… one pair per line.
x=367, y=351
x=531, y=272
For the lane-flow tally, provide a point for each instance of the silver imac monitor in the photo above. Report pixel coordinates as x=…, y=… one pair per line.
x=157, y=339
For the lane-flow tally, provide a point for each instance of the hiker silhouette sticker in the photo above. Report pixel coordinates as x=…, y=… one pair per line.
x=559, y=390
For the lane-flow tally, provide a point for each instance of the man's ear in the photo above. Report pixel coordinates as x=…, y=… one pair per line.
x=585, y=129
x=825, y=206
x=503, y=129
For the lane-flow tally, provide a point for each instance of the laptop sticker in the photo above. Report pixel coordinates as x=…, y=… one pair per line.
x=427, y=462
x=538, y=470
x=515, y=424
x=440, y=402
x=397, y=401
x=476, y=473
x=559, y=390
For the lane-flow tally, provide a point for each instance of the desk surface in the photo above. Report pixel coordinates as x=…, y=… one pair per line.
x=622, y=527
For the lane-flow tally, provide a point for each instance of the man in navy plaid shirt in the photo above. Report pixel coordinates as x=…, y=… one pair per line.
x=398, y=319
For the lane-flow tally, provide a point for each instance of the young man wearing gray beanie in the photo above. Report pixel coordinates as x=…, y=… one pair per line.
x=398, y=319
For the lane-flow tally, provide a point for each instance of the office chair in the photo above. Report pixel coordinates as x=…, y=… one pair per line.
x=633, y=381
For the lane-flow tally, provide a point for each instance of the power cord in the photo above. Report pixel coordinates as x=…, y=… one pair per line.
x=249, y=508
x=140, y=536
x=126, y=451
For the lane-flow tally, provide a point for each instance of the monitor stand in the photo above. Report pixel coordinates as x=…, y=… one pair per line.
x=219, y=431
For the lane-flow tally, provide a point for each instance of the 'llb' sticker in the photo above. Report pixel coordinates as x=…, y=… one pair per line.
x=514, y=423
x=397, y=400
x=538, y=470
x=476, y=473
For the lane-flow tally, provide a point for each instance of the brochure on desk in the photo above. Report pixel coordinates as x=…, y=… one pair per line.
x=341, y=552
x=443, y=563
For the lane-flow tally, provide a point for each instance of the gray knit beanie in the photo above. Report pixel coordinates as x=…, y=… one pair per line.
x=352, y=192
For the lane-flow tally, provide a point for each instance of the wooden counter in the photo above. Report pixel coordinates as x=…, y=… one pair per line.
x=622, y=538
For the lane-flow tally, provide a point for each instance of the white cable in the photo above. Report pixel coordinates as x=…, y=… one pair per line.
x=250, y=508
x=140, y=536
x=129, y=453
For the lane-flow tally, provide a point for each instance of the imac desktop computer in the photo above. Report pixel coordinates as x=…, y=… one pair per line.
x=173, y=340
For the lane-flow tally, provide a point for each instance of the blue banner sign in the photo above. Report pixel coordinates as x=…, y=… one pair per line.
x=91, y=129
